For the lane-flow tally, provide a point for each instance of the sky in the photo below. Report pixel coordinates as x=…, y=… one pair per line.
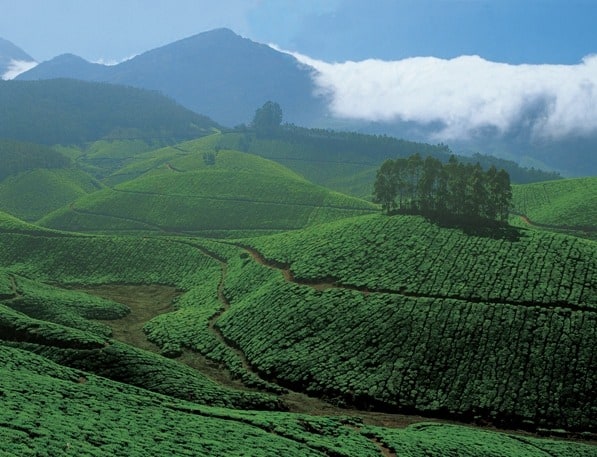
x=464, y=64
x=509, y=31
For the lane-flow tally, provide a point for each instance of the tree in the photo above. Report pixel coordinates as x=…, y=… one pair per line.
x=268, y=118
x=385, y=187
x=444, y=191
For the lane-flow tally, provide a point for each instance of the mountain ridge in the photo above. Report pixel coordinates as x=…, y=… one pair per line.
x=194, y=71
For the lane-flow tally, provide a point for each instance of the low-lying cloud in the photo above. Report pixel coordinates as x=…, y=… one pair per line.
x=16, y=67
x=464, y=95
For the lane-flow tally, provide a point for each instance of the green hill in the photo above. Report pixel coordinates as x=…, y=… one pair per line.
x=33, y=194
x=16, y=157
x=399, y=314
x=90, y=415
x=63, y=111
x=561, y=204
x=81, y=376
x=190, y=192
x=347, y=161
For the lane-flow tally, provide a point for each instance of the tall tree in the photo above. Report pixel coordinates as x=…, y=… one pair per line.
x=268, y=118
x=385, y=187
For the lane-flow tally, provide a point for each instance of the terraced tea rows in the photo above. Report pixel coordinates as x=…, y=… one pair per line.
x=48, y=409
x=413, y=257
x=563, y=202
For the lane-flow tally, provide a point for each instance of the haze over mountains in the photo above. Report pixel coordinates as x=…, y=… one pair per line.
x=541, y=116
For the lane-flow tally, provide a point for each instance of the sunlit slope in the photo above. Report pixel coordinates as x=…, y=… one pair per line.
x=33, y=194
x=565, y=203
x=399, y=314
x=195, y=193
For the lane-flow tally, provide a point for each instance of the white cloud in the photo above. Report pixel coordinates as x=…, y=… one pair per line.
x=464, y=94
x=16, y=67
x=112, y=62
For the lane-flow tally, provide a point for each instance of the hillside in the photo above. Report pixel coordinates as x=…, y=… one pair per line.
x=347, y=161
x=17, y=156
x=217, y=73
x=72, y=112
x=565, y=205
x=399, y=314
x=33, y=194
x=194, y=192
x=265, y=313
x=115, y=417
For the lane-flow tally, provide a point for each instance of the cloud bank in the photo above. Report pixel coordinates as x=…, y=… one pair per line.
x=16, y=67
x=464, y=95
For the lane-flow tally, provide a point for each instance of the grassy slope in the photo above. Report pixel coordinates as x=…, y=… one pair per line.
x=49, y=407
x=424, y=318
x=566, y=202
x=33, y=194
x=180, y=192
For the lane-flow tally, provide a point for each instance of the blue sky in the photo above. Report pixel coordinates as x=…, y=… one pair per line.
x=512, y=31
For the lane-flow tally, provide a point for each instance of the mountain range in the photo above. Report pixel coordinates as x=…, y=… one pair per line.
x=227, y=77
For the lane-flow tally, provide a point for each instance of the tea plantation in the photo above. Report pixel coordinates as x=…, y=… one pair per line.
x=486, y=328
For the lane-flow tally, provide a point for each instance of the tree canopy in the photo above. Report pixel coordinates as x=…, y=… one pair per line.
x=450, y=190
x=267, y=118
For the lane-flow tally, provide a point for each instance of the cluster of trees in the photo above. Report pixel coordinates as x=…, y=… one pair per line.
x=446, y=190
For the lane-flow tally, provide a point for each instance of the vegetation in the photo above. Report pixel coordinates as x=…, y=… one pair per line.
x=49, y=409
x=444, y=318
x=32, y=194
x=65, y=111
x=347, y=161
x=16, y=157
x=267, y=119
x=300, y=289
x=238, y=192
x=451, y=191
x=566, y=203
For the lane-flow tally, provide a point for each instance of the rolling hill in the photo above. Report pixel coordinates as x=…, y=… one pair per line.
x=564, y=204
x=70, y=112
x=193, y=189
x=33, y=194
x=347, y=161
x=399, y=314
x=293, y=332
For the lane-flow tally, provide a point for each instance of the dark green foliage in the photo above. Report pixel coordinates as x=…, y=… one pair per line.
x=518, y=174
x=448, y=192
x=409, y=255
x=50, y=410
x=16, y=156
x=70, y=308
x=425, y=318
x=62, y=111
x=440, y=440
x=100, y=260
x=267, y=119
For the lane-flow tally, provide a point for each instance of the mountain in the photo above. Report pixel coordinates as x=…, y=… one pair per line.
x=70, y=112
x=217, y=73
x=13, y=60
